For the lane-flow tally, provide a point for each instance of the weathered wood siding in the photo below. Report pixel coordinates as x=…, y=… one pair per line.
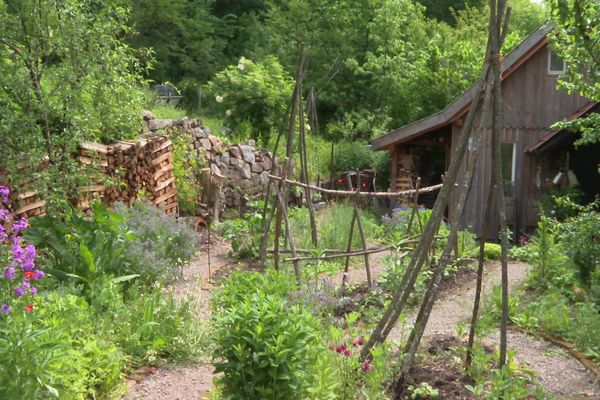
x=532, y=103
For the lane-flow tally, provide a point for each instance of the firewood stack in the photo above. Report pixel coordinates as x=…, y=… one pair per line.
x=141, y=166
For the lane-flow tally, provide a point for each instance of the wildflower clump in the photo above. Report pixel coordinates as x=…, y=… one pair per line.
x=17, y=260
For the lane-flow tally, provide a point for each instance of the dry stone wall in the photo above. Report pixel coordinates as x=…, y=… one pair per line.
x=244, y=167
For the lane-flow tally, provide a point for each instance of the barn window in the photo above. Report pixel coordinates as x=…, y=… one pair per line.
x=556, y=64
x=509, y=166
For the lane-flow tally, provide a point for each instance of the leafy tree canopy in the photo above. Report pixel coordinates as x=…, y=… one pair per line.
x=71, y=80
x=577, y=39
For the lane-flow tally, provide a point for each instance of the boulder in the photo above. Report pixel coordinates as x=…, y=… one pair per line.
x=235, y=152
x=156, y=124
x=206, y=143
x=257, y=168
x=147, y=115
x=247, y=153
x=246, y=172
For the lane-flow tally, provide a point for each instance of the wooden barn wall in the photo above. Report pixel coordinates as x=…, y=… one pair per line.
x=531, y=99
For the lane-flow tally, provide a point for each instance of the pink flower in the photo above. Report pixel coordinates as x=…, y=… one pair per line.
x=361, y=341
x=331, y=346
x=347, y=353
x=29, y=307
x=367, y=366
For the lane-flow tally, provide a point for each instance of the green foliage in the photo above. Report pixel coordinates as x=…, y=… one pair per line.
x=83, y=250
x=158, y=245
x=580, y=233
x=58, y=354
x=187, y=170
x=491, y=251
x=352, y=156
x=575, y=37
x=251, y=97
x=554, y=313
x=182, y=36
x=244, y=232
x=72, y=80
x=424, y=390
x=263, y=344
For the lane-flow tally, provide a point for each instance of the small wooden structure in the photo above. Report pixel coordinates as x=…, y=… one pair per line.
x=532, y=153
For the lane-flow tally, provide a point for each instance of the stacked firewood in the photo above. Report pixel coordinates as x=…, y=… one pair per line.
x=140, y=167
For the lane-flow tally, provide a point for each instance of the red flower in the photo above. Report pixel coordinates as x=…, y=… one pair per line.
x=361, y=341
x=339, y=349
x=347, y=353
x=29, y=275
x=367, y=366
x=29, y=307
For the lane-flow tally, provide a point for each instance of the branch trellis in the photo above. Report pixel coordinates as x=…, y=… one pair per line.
x=275, y=210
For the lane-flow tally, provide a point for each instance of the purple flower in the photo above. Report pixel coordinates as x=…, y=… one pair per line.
x=28, y=266
x=3, y=235
x=34, y=291
x=20, y=291
x=4, y=214
x=20, y=225
x=17, y=252
x=26, y=284
x=9, y=273
x=38, y=274
x=5, y=309
x=4, y=192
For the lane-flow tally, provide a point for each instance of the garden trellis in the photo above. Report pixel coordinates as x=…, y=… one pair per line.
x=276, y=204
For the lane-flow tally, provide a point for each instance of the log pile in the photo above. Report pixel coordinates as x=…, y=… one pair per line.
x=141, y=166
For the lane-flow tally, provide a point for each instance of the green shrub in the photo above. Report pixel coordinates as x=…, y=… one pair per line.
x=159, y=245
x=580, y=234
x=353, y=156
x=263, y=344
x=82, y=250
x=242, y=284
x=59, y=351
x=251, y=97
x=152, y=327
x=491, y=251
x=187, y=169
x=245, y=233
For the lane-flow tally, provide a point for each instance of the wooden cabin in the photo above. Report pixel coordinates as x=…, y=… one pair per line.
x=532, y=153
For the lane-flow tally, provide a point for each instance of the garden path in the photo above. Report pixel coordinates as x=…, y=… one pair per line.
x=194, y=381
x=559, y=373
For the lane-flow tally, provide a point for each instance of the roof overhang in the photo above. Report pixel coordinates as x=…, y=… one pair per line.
x=552, y=135
x=529, y=46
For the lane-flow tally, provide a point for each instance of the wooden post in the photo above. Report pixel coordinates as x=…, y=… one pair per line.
x=304, y=171
x=361, y=229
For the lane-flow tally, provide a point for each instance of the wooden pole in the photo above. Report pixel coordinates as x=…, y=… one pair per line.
x=361, y=194
x=402, y=292
x=350, y=237
x=304, y=172
x=361, y=229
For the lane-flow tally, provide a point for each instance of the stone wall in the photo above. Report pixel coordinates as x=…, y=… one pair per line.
x=243, y=166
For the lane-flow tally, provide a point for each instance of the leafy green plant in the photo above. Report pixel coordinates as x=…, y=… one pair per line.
x=424, y=390
x=581, y=234
x=158, y=245
x=187, y=170
x=244, y=232
x=83, y=250
x=251, y=96
x=263, y=348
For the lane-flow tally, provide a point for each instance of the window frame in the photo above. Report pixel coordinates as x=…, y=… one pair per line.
x=556, y=72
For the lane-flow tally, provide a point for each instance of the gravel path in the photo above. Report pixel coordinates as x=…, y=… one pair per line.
x=186, y=382
x=559, y=373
